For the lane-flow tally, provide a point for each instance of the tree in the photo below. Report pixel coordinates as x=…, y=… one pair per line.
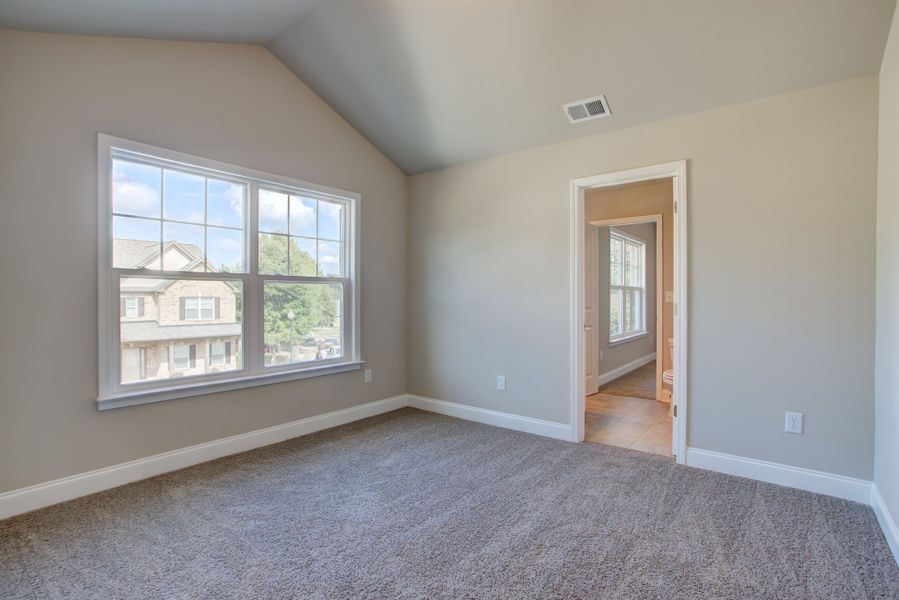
x=314, y=304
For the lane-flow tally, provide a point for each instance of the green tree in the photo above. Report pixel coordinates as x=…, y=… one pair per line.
x=314, y=304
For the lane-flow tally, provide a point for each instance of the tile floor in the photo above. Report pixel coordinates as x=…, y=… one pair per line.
x=634, y=423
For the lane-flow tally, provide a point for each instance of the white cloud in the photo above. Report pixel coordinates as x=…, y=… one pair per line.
x=272, y=210
x=135, y=198
x=302, y=218
x=329, y=209
x=229, y=245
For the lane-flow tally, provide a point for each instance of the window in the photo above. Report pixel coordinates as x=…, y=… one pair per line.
x=220, y=276
x=132, y=306
x=199, y=308
x=184, y=356
x=219, y=353
x=627, y=286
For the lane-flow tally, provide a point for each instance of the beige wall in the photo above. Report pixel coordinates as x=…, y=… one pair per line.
x=614, y=356
x=634, y=200
x=233, y=103
x=886, y=472
x=781, y=272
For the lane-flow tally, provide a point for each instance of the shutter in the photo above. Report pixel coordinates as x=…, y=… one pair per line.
x=193, y=356
x=181, y=309
x=140, y=307
x=218, y=308
x=227, y=352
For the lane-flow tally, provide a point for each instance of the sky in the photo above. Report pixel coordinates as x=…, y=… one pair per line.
x=207, y=208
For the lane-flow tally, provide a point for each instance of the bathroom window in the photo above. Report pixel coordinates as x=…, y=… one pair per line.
x=627, y=286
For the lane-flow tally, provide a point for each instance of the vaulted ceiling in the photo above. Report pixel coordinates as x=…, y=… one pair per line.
x=442, y=82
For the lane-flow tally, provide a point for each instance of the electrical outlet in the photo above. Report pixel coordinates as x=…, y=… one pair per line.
x=367, y=375
x=501, y=382
x=793, y=423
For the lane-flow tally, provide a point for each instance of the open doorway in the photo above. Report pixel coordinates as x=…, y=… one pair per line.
x=627, y=323
x=629, y=309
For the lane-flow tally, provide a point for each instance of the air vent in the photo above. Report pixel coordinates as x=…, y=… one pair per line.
x=584, y=110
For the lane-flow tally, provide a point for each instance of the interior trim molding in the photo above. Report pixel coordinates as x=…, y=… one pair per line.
x=840, y=486
x=885, y=518
x=37, y=496
x=552, y=429
x=614, y=374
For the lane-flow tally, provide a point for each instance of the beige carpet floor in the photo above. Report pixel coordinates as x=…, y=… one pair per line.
x=639, y=383
x=415, y=505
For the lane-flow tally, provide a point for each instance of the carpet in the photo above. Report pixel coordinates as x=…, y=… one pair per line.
x=415, y=505
x=639, y=383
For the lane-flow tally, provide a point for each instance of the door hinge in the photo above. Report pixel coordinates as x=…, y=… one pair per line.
x=674, y=411
x=675, y=207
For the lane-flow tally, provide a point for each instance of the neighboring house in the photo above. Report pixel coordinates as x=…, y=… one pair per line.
x=174, y=328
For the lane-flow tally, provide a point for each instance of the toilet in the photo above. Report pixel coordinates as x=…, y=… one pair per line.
x=668, y=374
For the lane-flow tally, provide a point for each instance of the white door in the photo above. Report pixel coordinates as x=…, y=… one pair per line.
x=591, y=314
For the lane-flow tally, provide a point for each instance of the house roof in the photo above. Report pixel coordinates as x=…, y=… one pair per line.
x=131, y=254
x=151, y=331
x=137, y=254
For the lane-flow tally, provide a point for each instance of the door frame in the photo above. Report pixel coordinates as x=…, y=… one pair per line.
x=658, y=220
x=676, y=170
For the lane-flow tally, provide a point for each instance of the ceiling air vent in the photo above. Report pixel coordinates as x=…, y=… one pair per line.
x=584, y=110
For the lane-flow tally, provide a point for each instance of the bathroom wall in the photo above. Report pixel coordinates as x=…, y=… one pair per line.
x=634, y=200
x=617, y=355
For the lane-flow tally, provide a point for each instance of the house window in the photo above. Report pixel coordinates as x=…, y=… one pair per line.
x=184, y=357
x=219, y=353
x=207, y=243
x=199, y=308
x=627, y=286
x=132, y=307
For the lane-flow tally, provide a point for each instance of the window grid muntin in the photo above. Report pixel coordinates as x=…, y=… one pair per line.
x=111, y=390
x=164, y=164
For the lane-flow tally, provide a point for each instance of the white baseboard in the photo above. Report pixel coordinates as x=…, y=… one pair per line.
x=885, y=518
x=561, y=431
x=52, y=492
x=840, y=486
x=605, y=378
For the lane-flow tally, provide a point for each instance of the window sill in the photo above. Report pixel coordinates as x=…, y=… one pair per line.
x=120, y=400
x=627, y=338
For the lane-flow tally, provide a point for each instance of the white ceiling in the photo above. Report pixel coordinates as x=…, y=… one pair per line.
x=253, y=21
x=440, y=82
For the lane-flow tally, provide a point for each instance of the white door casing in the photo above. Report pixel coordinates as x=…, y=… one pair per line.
x=678, y=172
x=591, y=311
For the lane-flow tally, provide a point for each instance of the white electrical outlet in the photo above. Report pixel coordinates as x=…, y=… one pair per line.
x=501, y=382
x=367, y=375
x=793, y=423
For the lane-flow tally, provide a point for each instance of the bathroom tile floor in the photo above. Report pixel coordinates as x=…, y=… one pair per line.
x=635, y=423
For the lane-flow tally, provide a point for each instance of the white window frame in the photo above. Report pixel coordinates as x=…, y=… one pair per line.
x=200, y=300
x=112, y=393
x=626, y=336
x=175, y=348
x=212, y=354
x=129, y=307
